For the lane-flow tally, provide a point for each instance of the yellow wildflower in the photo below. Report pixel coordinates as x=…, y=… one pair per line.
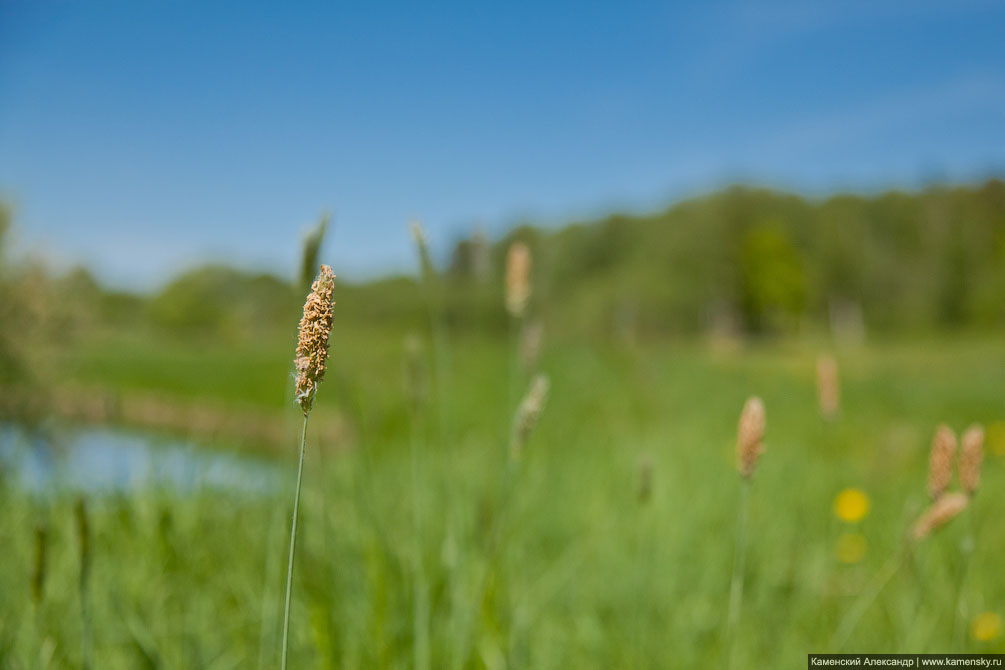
x=986, y=626
x=851, y=505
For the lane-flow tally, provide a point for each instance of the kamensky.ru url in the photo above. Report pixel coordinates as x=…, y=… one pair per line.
x=906, y=660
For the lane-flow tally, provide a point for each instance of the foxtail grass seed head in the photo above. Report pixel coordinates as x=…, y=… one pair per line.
x=939, y=513
x=971, y=455
x=312, y=344
x=749, y=434
x=828, y=386
x=527, y=414
x=940, y=462
x=38, y=567
x=517, y=279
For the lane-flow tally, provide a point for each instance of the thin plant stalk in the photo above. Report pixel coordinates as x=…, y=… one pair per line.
x=85, y=629
x=967, y=546
x=38, y=589
x=969, y=468
x=868, y=595
x=739, y=565
x=311, y=363
x=441, y=357
x=515, y=326
x=84, y=560
x=441, y=354
x=293, y=544
x=749, y=434
x=420, y=608
x=433, y=290
x=434, y=307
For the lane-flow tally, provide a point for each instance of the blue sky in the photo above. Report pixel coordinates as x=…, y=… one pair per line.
x=142, y=137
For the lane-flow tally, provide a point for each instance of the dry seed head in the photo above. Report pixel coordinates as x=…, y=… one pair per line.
x=971, y=454
x=749, y=434
x=939, y=513
x=828, y=387
x=312, y=344
x=517, y=278
x=527, y=414
x=940, y=463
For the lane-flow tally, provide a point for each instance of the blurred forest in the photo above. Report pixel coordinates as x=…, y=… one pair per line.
x=739, y=262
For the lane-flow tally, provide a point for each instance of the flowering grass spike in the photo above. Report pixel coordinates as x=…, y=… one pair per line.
x=312, y=343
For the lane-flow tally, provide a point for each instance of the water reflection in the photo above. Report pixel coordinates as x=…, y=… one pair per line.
x=114, y=460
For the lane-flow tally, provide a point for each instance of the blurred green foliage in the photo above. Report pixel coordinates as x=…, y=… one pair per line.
x=8, y=310
x=27, y=328
x=759, y=261
x=773, y=282
x=217, y=300
x=774, y=262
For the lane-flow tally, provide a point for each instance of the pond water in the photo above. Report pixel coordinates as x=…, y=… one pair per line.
x=102, y=459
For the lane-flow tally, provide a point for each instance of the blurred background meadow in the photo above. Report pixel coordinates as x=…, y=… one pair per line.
x=570, y=243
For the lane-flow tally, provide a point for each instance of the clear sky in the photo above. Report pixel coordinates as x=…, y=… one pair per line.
x=144, y=136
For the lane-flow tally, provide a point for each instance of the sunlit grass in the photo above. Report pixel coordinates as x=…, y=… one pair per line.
x=587, y=576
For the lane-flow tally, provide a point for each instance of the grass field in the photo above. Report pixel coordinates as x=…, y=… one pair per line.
x=422, y=546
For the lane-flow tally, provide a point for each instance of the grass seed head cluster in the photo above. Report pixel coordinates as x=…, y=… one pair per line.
x=749, y=434
x=971, y=455
x=312, y=342
x=940, y=463
x=518, y=265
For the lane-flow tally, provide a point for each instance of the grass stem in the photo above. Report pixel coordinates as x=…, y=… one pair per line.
x=515, y=378
x=866, y=598
x=420, y=607
x=960, y=613
x=85, y=628
x=293, y=545
x=739, y=565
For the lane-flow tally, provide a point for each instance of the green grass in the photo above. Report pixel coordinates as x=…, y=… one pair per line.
x=251, y=373
x=574, y=571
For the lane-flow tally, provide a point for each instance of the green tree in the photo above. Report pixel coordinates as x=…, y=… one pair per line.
x=773, y=285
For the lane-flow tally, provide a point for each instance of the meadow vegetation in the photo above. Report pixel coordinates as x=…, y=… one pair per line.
x=611, y=541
